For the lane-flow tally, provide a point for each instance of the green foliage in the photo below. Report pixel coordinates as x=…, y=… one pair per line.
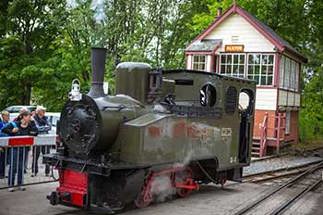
x=202, y=20
x=311, y=116
x=46, y=44
x=29, y=26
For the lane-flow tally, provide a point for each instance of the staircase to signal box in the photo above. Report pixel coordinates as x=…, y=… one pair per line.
x=260, y=144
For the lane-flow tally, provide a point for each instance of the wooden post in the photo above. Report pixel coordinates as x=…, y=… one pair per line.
x=278, y=133
x=263, y=136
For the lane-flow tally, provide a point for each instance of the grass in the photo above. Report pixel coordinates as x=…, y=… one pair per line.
x=307, y=146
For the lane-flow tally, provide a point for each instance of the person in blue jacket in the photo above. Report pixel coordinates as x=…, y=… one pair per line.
x=3, y=122
x=24, y=127
x=5, y=117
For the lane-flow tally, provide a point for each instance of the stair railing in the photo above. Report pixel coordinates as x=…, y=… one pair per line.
x=263, y=136
x=281, y=122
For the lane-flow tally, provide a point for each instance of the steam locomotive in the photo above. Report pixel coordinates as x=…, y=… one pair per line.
x=164, y=132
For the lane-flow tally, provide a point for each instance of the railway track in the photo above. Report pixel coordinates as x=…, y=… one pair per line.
x=275, y=201
x=278, y=174
x=254, y=160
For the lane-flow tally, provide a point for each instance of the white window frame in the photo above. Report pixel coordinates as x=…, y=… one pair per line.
x=262, y=65
x=289, y=74
x=282, y=71
x=229, y=68
x=297, y=75
x=233, y=65
x=199, y=63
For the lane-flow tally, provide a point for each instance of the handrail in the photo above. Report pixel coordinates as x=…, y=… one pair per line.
x=42, y=139
x=279, y=133
x=280, y=128
x=263, y=136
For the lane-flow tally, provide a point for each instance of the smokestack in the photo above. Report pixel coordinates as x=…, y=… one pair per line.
x=219, y=12
x=98, y=56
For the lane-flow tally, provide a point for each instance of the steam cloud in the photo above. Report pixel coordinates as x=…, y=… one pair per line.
x=71, y=3
x=162, y=188
x=98, y=7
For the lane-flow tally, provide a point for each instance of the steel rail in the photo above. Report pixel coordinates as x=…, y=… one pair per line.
x=275, y=175
x=290, y=202
x=274, y=191
x=282, y=169
x=268, y=157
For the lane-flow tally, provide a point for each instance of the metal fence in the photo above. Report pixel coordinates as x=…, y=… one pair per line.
x=21, y=161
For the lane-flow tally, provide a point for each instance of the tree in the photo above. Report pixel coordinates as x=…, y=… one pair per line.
x=3, y=17
x=30, y=27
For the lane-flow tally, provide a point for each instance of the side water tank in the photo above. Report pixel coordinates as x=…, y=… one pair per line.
x=132, y=79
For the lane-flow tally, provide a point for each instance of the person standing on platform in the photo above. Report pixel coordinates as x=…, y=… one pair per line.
x=27, y=149
x=43, y=127
x=19, y=117
x=24, y=127
x=4, y=121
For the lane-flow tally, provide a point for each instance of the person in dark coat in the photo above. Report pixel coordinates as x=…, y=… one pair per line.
x=18, y=119
x=24, y=127
x=43, y=127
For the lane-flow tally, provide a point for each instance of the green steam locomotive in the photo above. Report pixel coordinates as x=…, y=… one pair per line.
x=164, y=133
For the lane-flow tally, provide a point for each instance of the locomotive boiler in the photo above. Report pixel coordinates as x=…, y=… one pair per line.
x=164, y=133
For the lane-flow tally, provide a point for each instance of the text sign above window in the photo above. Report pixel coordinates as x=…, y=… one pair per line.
x=234, y=48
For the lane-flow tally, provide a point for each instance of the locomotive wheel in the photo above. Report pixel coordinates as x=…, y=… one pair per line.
x=222, y=178
x=223, y=181
x=145, y=197
x=141, y=202
x=183, y=177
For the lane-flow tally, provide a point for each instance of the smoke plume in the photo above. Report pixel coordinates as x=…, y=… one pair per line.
x=162, y=188
x=98, y=6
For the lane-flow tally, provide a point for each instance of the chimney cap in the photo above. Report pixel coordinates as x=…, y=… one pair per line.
x=94, y=47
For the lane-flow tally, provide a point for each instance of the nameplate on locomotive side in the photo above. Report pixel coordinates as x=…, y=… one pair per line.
x=226, y=132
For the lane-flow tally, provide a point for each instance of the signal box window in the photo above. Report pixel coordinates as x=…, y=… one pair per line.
x=261, y=68
x=233, y=65
x=199, y=62
x=289, y=74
